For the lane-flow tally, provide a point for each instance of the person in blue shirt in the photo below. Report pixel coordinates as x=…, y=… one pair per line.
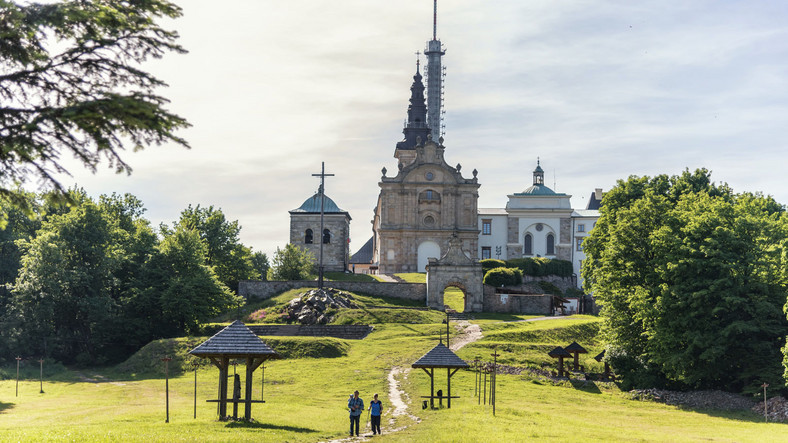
x=356, y=405
x=375, y=408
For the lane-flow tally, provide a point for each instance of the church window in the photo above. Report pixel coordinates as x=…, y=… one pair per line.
x=579, y=242
x=308, y=237
x=486, y=227
x=326, y=236
x=581, y=227
x=429, y=196
x=486, y=252
x=539, y=227
x=429, y=175
x=528, y=245
x=429, y=220
x=550, y=244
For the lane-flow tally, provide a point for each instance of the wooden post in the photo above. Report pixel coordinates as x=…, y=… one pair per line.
x=166, y=361
x=195, y=365
x=223, y=374
x=41, y=375
x=494, y=376
x=262, y=383
x=236, y=394
x=577, y=362
x=248, y=393
x=448, y=388
x=485, y=386
x=765, y=405
x=432, y=388
x=17, y=375
x=447, y=329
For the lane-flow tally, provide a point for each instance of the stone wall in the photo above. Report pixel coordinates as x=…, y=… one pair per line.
x=267, y=289
x=563, y=283
x=517, y=303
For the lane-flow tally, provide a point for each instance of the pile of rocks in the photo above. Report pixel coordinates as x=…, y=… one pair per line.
x=311, y=308
x=719, y=400
x=776, y=407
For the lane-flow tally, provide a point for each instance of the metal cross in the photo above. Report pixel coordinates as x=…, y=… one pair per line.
x=322, y=193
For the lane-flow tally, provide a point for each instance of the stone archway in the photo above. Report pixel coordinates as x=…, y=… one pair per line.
x=450, y=296
x=455, y=269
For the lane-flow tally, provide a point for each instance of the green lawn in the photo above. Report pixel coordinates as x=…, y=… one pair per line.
x=306, y=397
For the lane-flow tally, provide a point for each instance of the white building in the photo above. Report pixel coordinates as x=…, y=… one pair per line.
x=538, y=222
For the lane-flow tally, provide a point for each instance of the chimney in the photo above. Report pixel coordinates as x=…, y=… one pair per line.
x=598, y=194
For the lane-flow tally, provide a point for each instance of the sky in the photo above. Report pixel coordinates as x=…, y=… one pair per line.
x=598, y=90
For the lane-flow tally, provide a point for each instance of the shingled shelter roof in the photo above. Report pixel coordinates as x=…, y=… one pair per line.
x=234, y=341
x=575, y=347
x=440, y=357
x=559, y=352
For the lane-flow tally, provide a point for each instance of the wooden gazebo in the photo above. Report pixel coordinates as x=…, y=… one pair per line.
x=575, y=349
x=235, y=342
x=599, y=357
x=560, y=353
x=440, y=357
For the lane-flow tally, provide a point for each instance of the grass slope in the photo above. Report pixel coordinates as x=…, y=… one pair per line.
x=306, y=396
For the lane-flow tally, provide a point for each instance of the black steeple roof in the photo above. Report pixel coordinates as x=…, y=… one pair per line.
x=417, y=115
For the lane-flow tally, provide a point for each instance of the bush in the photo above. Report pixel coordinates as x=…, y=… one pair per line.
x=540, y=266
x=503, y=277
x=491, y=263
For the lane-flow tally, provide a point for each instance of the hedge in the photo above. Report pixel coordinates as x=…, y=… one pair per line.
x=541, y=266
x=491, y=263
x=503, y=277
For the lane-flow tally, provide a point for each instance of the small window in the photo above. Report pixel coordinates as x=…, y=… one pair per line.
x=528, y=245
x=486, y=252
x=486, y=227
x=581, y=227
x=326, y=236
x=429, y=195
x=550, y=244
x=308, y=237
x=579, y=243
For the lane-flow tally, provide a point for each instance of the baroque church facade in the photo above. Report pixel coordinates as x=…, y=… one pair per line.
x=426, y=203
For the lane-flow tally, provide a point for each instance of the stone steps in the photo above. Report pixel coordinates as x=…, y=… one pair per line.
x=350, y=332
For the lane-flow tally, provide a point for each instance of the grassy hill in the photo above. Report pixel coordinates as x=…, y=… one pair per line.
x=306, y=392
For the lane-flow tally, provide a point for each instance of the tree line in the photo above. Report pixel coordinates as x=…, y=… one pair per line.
x=692, y=279
x=93, y=281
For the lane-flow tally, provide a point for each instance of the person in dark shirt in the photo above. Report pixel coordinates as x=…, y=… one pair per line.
x=356, y=405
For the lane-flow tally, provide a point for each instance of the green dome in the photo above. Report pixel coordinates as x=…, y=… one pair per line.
x=312, y=205
x=537, y=190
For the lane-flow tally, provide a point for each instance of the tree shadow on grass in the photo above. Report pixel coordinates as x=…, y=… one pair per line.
x=4, y=406
x=585, y=386
x=259, y=425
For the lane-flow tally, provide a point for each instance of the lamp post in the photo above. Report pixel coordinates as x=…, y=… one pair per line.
x=166, y=361
x=17, y=375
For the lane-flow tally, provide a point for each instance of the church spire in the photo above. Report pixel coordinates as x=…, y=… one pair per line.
x=434, y=52
x=416, y=126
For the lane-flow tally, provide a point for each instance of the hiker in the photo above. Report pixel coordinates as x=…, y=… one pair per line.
x=375, y=409
x=356, y=405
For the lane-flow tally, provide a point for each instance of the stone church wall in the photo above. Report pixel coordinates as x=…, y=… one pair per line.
x=266, y=289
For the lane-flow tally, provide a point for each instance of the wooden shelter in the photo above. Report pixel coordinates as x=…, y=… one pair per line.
x=440, y=357
x=235, y=342
x=608, y=373
x=560, y=353
x=575, y=349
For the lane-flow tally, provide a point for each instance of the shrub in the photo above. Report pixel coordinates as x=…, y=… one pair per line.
x=491, y=263
x=541, y=266
x=503, y=277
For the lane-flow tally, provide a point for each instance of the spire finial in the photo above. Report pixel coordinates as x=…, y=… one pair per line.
x=418, y=60
x=537, y=161
x=435, y=20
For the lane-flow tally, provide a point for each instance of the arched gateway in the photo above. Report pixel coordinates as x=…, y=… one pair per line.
x=455, y=269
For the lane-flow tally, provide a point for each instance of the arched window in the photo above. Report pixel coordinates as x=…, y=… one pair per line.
x=326, y=236
x=528, y=245
x=308, y=237
x=550, y=244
